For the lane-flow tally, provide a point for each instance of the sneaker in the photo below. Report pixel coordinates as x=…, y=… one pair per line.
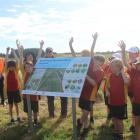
x=12, y=121
x=79, y=126
x=19, y=120
x=132, y=129
x=63, y=116
x=92, y=119
x=85, y=132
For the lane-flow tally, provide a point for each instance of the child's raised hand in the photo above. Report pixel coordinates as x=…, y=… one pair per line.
x=94, y=36
x=8, y=49
x=71, y=41
x=18, y=42
x=122, y=45
x=41, y=43
x=12, y=50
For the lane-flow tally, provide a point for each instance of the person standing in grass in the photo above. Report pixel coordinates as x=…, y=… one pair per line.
x=29, y=67
x=116, y=90
x=133, y=54
x=134, y=71
x=12, y=85
x=64, y=100
x=90, y=88
x=107, y=72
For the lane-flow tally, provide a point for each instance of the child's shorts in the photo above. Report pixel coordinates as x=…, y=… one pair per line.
x=13, y=97
x=136, y=109
x=34, y=106
x=86, y=105
x=119, y=112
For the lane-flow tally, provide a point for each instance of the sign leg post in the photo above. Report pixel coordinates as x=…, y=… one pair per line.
x=74, y=118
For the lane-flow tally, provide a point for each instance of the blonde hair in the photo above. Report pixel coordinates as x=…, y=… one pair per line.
x=85, y=53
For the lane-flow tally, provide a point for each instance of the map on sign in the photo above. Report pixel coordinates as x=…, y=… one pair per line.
x=62, y=77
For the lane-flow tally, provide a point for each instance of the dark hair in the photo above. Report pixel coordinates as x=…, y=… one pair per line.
x=99, y=58
x=11, y=63
x=30, y=53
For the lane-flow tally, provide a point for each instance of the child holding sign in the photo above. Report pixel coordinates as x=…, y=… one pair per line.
x=34, y=99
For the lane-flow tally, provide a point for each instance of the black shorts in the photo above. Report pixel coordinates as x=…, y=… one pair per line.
x=86, y=105
x=130, y=94
x=119, y=112
x=136, y=109
x=34, y=106
x=13, y=97
x=106, y=99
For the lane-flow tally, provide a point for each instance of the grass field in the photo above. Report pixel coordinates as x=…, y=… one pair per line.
x=57, y=129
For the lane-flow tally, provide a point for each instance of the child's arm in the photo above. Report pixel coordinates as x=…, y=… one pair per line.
x=15, y=55
x=71, y=47
x=95, y=36
x=7, y=57
x=91, y=81
x=40, y=50
x=125, y=76
x=122, y=45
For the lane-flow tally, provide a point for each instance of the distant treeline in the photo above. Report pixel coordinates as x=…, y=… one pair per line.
x=35, y=51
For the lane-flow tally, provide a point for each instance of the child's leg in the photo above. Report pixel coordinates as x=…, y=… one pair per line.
x=35, y=115
x=114, y=121
x=91, y=116
x=84, y=116
x=11, y=110
x=137, y=127
x=120, y=126
x=17, y=109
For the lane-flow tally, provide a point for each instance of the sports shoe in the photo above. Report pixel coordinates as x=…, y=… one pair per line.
x=132, y=129
x=79, y=126
x=84, y=132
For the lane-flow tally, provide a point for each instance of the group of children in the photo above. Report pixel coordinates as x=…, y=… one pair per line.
x=118, y=78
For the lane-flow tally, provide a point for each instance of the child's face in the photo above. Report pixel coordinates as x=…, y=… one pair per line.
x=49, y=54
x=138, y=67
x=30, y=58
x=29, y=68
x=133, y=56
x=114, y=68
x=11, y=68
x=97, y=64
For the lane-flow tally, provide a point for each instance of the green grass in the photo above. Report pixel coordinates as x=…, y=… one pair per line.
x=58, y=129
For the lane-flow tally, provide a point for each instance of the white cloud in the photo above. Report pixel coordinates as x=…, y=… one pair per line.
x=114, y=20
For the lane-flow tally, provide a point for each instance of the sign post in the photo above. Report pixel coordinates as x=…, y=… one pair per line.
x=74, y=118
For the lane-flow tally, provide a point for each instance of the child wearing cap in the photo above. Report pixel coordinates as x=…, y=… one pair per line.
x=116, y=89
x=64, y=100
x=134, y=71
x=13, y=86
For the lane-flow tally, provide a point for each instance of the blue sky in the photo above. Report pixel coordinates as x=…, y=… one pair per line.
x=55, y=21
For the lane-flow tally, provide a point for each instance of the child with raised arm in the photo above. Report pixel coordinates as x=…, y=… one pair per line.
x=13, y=86
x=116, y=89
x=134, y=71
x=90, y=88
